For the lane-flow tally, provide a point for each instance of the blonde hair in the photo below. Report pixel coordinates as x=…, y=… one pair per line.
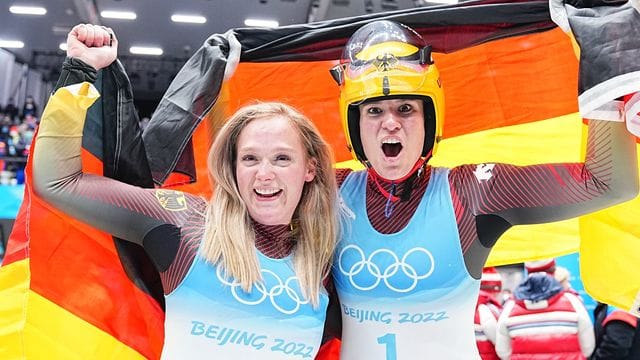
x=230, y=239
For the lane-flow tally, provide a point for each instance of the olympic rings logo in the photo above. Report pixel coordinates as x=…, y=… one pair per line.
x=365, y=274
x=283, y=296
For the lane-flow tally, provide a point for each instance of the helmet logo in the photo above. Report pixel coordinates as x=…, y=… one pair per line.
x=385, y=62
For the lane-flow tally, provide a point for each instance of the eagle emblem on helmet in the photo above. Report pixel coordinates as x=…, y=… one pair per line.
x=385, y=62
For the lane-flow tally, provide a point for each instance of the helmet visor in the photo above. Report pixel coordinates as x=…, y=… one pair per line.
x=363, y=43
x=386, y=56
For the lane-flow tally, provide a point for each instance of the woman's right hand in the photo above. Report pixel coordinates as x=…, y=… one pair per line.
x=93, y=44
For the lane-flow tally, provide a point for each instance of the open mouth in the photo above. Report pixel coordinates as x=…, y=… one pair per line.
x=267, y=193
x=391, y=148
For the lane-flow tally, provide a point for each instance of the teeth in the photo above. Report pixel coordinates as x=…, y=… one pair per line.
x=390, y=141
x=267, y=191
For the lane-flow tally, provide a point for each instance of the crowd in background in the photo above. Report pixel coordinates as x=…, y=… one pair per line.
x=545, y=318
x=17, y=127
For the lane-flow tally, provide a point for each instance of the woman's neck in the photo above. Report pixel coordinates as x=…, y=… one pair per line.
x=392, y=189
x=274, y=241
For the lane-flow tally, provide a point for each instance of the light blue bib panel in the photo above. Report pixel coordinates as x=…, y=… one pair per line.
x=406, y=295
x=209, y=316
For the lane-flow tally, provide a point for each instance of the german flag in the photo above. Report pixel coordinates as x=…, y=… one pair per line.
x=511, y=85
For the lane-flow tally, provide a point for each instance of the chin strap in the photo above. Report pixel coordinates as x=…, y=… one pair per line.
x=408, y=180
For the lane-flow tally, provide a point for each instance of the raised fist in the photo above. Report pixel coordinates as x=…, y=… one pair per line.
x=95, y=45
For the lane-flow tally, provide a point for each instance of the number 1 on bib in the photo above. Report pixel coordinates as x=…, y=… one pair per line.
x=389, y=340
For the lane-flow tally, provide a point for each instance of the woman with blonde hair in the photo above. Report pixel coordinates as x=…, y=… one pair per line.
x=242, y=273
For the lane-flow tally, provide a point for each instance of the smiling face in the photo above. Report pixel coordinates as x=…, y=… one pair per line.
x=271, y=169
x=392, y=134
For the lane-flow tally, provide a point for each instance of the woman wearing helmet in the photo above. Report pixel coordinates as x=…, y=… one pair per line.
x=408, y=267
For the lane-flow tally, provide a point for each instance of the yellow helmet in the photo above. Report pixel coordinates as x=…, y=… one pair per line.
x=385, y=59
